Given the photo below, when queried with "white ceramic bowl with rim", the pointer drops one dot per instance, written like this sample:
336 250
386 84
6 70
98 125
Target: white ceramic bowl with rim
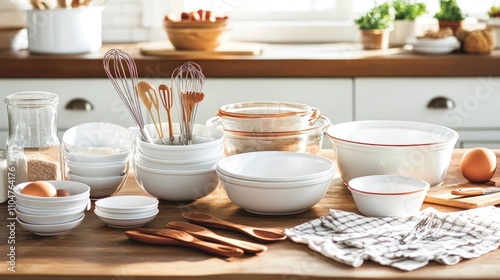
127 216
309 140
176 185
52 229
122 222
79 196
383 147
179 164
51 211
276 198
41 219
206 141
96 170
275 166
388 195
100 186
97 142
126 204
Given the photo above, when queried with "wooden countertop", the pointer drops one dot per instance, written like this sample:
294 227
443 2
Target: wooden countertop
94 250
314 60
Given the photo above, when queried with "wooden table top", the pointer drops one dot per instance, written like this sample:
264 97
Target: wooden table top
94 250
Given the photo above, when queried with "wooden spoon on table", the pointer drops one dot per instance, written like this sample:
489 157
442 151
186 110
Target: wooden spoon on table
206 234
191 241
261 234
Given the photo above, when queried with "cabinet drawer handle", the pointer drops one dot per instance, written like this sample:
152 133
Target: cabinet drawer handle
441 103
79 104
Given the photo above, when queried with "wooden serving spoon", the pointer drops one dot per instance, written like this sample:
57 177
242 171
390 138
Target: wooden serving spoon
261 234
148 95
188 240
206 234
167 99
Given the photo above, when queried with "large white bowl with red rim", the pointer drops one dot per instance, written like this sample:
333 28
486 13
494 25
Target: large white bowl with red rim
384 147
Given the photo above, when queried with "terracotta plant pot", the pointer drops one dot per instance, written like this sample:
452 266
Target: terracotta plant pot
453 24
375 39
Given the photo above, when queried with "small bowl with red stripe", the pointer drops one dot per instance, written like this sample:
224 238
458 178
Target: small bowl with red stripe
388 195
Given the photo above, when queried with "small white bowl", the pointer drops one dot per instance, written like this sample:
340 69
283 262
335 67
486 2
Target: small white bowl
388 195
53 229
276 166
79 196
127 216
125 222
86 142
100 187
206 141
179 164
127 204
51 211
176 185
41 219
276 198
93 170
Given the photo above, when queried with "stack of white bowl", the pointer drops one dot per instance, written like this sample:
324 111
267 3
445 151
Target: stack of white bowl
275 182
52 215
436 46
177 172
97 154
129 211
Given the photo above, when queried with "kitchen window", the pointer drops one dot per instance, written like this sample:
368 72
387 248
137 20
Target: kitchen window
303 21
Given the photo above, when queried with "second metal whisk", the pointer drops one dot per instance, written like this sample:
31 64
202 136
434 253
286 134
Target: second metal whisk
187 83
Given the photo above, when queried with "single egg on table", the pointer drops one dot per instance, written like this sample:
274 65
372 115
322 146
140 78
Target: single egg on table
478 165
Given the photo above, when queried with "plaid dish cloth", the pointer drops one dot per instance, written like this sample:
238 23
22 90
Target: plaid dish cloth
350 238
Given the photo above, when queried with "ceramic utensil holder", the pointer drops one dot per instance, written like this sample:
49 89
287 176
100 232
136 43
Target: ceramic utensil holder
65 31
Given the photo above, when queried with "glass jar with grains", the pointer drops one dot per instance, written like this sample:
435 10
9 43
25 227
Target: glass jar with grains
33 147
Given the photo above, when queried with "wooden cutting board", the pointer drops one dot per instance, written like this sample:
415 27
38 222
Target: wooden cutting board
165 48
442 195
454 179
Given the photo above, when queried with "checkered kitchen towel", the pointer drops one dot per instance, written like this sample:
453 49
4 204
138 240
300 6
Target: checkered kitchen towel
463 235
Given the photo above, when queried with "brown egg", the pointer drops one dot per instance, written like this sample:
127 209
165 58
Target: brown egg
40 188
478 165
62 192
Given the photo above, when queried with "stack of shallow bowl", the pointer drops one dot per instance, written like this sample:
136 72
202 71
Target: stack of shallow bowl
177 172
275 183
48 216
270 126
126 211
97 154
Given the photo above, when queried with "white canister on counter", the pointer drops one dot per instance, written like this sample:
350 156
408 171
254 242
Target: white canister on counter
65 31
4 186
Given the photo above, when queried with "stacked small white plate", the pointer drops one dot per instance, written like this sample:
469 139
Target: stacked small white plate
97 154
48 216
435 46
126 211
275 182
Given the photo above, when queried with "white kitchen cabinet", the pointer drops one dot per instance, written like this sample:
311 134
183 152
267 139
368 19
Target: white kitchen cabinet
469 105
333 97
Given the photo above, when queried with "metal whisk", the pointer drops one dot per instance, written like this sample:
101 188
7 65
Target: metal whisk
119 65
187 82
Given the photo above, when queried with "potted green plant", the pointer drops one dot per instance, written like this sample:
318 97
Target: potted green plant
494 22
406 12
375 26
449 14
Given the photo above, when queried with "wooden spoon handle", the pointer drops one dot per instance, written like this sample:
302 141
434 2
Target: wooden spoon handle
206 234
209 247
